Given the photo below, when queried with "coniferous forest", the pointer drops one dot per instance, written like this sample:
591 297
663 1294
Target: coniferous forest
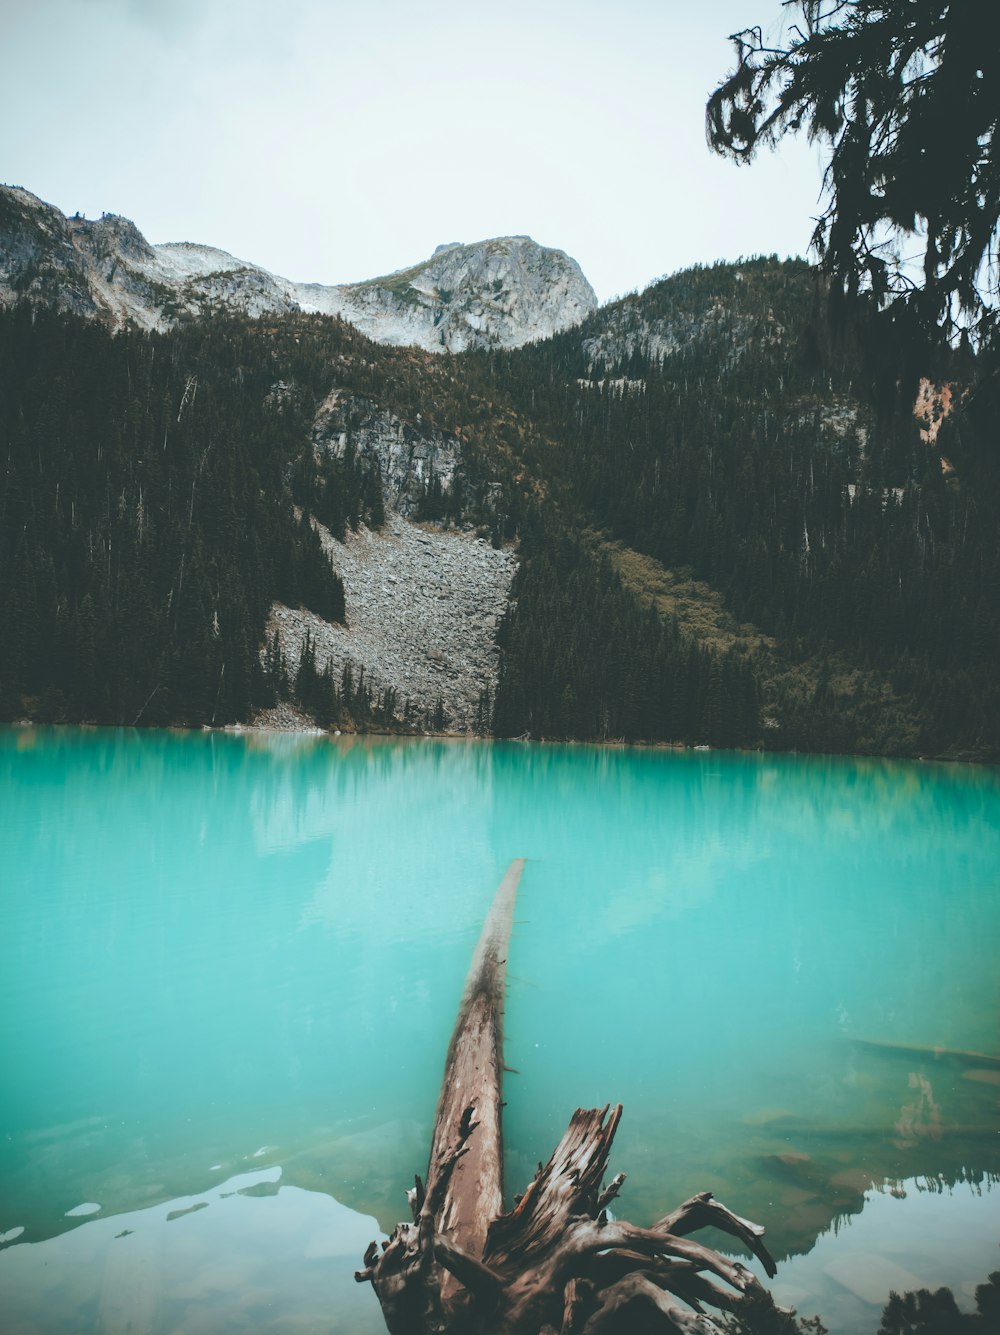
146 524
778 461
730 529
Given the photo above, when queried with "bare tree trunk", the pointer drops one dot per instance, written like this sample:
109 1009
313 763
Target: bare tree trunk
556 1264
473 1078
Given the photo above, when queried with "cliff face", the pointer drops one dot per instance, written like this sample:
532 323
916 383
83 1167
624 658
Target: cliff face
39 257
497 293
407 457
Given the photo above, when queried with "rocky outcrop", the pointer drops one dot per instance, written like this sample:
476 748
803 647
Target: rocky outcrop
628 331
39 259
422 610
497 293
246 290
408 457
662 320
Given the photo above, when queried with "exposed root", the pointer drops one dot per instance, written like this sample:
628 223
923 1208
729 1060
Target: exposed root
555 1264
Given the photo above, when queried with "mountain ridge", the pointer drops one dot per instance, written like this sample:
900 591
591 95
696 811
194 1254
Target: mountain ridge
499 292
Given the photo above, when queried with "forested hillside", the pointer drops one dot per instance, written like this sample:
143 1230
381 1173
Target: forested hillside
146 518
729 531
158 497
716 425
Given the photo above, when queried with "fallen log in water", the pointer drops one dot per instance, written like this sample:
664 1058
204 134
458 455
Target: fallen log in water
557 1264
935 1050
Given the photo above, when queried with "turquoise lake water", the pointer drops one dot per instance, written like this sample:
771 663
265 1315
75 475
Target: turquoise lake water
230 965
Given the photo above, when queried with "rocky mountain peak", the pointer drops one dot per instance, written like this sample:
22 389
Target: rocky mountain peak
501 292
112 234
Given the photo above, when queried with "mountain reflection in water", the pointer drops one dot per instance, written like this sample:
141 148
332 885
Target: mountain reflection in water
242 954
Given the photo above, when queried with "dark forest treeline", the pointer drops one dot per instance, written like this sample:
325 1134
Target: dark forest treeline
146 521
583 658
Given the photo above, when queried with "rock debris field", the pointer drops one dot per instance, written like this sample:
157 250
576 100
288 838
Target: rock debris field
423 605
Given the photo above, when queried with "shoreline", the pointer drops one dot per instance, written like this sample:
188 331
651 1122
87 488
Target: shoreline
286 720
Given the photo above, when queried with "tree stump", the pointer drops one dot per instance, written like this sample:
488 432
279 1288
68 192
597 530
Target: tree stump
557 1263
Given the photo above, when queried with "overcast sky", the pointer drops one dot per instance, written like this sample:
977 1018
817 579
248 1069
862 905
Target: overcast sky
331 141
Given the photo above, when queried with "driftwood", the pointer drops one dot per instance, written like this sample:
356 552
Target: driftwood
557 1264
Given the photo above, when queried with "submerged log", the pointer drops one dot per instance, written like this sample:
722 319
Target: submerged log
557 1264
936 1050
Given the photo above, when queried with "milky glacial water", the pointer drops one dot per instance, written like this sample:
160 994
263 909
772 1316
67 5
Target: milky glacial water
229 966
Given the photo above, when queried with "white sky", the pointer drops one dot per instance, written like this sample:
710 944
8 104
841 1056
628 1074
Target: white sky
332 141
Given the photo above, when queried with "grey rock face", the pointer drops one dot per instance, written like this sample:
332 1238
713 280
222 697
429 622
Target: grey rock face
98 269
39 259
247 290
626 329
627 332
498 293
407 458
111 240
